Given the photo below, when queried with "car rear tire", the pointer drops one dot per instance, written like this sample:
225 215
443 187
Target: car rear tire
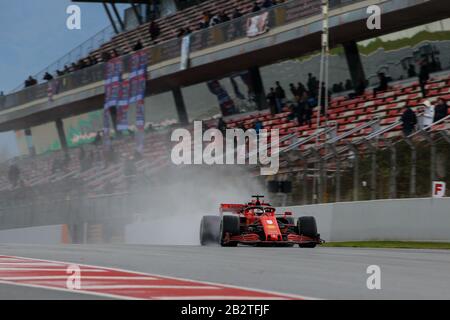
209 230
230 225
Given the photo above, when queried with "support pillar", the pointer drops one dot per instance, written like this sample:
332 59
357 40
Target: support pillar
338 172
61 134
29 141
354 63
373 171
393 173
355 172
108 13
257 87
413 173
432 144
180 106
117 14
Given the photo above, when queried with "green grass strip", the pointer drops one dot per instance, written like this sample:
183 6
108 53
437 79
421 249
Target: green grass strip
390 244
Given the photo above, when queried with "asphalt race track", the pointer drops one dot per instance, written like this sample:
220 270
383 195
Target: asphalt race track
324 273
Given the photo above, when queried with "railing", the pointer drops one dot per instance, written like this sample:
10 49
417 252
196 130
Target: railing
74 55
235 29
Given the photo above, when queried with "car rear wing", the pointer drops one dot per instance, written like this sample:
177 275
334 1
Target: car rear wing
234 208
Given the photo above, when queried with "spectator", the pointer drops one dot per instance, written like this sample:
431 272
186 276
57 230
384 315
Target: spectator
223 17
98 138
424 76
348 85
91 61
409 120
312 85
114 53
412 71
335 88
271 98
361 87
309 104
181 33
300 89
440 110
267 4
256 7
138 46
293 90
236 13
428 114
30 82
258 126
47 77
280 96
154 30
106 56
382 85
205 20
214 20
300 108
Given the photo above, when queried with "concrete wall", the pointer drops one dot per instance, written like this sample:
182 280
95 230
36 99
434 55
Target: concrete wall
54 234
403 219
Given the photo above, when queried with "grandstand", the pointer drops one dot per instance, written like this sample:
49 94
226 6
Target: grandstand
353 124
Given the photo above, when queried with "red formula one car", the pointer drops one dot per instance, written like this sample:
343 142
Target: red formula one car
256 223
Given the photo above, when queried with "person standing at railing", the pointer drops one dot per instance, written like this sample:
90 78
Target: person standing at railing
256 7
271 98
47 77
267 4
409 120
154 30
280 97
440 110
428 114
236 13
30 82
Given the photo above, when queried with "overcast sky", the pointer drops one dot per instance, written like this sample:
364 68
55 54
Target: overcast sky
33 34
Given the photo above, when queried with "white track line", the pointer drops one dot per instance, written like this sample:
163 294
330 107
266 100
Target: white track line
120 286
27 264
47 269
286 295
81 278
91 293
